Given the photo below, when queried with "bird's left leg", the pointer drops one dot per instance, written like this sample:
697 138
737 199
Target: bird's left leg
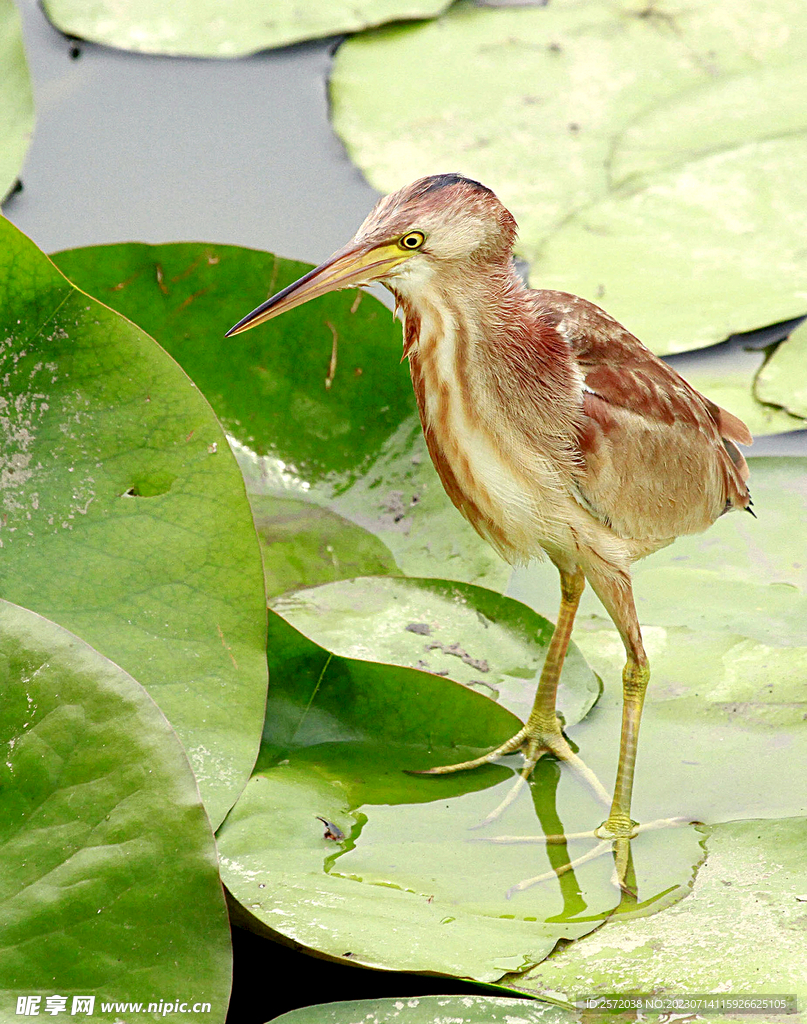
616 594
541 734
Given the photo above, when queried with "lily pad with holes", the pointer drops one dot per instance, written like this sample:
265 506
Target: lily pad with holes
487 642
354 448
432 1010
782 381
16 98
208 30
411 882
106 855
124 516
653 155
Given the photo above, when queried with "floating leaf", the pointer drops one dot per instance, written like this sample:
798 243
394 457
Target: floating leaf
741 930
124 515
489 643
355 448
414 885
106 856
205 29
304 545
783 379
647 152
16 98
431 1010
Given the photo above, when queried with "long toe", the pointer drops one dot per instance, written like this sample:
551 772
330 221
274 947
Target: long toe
511 746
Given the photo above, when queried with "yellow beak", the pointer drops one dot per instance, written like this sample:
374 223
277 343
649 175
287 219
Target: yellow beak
350 267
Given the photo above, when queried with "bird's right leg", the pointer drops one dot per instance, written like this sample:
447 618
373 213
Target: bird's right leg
541 733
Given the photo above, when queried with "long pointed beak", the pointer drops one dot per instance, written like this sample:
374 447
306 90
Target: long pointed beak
350 267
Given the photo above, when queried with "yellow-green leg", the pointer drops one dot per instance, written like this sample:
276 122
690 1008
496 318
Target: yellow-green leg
541 733
635 677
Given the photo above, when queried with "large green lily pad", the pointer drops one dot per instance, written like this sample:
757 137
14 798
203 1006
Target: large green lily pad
16 98
107 860
783 379
431 1010
740 931
410 882
476 637
354 449
654 155
207 29
124 514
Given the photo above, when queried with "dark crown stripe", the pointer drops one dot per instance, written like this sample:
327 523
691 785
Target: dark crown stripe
438 181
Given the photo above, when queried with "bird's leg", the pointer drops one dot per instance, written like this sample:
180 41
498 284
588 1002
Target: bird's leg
617 596
541 733
617 831
634 685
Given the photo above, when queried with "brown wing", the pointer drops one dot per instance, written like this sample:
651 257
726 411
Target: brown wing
659 458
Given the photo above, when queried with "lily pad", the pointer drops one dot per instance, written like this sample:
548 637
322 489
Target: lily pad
646 151
106 855
304 545
124 514
16 98
399 876
354 448
741 930
782 380
207 30
476 637
431 1010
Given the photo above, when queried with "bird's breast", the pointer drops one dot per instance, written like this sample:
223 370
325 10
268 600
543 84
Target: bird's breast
508 495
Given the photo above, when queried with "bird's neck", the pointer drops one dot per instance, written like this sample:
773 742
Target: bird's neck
481 340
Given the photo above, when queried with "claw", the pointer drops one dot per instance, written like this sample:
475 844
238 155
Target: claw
619 844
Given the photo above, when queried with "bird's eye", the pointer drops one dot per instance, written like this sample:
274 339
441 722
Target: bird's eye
412 240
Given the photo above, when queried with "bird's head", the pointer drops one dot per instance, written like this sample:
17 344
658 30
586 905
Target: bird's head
434 224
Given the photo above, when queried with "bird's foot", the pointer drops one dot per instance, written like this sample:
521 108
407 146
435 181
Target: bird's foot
612 836
533 741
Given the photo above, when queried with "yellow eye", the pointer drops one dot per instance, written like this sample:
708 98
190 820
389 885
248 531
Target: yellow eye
412 240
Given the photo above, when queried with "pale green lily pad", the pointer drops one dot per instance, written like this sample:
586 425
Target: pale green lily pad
304 545
783 379
124 516
431 1010
701 252
354 450
16 98
106 855
487 642
206 29
743 929
411 883
647 152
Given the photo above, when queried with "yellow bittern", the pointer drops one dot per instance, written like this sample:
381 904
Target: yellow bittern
553 429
